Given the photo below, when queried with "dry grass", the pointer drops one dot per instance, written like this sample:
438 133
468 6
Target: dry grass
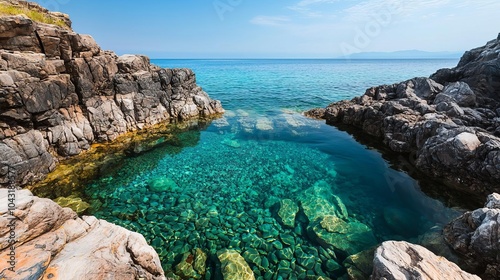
6 9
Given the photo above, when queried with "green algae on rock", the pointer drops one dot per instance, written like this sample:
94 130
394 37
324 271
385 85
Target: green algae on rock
75 203
287 212
234 266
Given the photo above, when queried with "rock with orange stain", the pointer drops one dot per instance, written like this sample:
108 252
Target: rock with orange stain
54 243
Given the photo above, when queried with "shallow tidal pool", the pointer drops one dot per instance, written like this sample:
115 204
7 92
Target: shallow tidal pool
262 186
294 197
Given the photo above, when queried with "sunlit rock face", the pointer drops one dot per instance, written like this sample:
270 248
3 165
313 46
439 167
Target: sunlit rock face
53 242
61 92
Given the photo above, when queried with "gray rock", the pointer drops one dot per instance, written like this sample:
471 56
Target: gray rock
460 93
401 260
421 116
75 94
476 236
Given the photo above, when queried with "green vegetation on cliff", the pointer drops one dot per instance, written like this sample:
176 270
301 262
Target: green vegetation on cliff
8 9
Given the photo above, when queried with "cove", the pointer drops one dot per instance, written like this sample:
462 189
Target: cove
294 196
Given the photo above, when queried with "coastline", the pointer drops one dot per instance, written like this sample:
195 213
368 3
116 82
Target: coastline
103 97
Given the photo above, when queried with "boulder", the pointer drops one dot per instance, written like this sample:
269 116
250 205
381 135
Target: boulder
234 266
476 236
401 260
52 242
287 212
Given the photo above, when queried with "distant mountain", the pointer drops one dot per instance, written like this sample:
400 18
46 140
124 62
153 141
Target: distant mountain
408 54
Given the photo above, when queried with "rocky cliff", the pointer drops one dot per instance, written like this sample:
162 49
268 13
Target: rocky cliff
450 121
60 92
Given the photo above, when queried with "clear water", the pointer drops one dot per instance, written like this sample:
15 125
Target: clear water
224 187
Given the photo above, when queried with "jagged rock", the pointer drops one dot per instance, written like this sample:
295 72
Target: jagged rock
448 121
476 235
64 86
24 158
52 242
401 260
234 266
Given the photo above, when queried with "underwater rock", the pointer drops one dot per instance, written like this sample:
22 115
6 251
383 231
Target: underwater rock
318 202
234 266
287 212
264 124
185 268
162 184
360 266
252 256
231 143
73 202
401 260
347 237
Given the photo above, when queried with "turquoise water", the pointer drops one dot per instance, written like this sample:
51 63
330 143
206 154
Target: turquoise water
293 196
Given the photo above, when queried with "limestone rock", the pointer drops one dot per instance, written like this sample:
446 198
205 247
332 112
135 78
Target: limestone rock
402 260
54 242
234 266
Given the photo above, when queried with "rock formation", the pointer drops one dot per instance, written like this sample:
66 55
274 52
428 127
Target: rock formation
476 236
451 121
52 242
401 260
60 92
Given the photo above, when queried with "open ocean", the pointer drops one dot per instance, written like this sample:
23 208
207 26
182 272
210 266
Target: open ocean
238 182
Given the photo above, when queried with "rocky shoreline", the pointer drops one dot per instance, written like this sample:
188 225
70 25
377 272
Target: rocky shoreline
61 92
450 121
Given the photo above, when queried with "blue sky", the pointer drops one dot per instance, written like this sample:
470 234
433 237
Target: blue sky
281 28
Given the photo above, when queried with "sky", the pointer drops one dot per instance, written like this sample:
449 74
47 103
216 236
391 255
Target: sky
281 28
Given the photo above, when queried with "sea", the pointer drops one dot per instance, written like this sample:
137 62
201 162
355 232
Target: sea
294 197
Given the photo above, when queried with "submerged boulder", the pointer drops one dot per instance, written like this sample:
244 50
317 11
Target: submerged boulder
287 212
348 237
234 266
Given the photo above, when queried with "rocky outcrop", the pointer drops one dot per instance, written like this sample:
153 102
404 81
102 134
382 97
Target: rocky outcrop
53 243
401 260
451 121
476 236
60 92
